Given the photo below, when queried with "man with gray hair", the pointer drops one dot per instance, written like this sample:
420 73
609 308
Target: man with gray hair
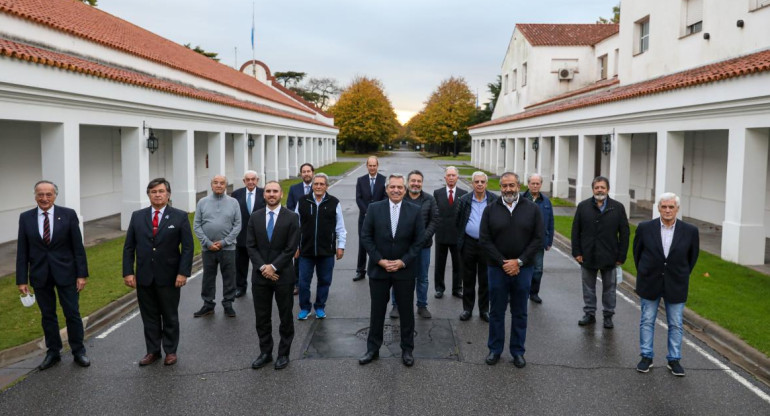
251 199
446 233
217 224
665 252
534 182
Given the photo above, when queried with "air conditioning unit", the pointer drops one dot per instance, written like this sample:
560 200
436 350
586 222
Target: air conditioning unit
566 74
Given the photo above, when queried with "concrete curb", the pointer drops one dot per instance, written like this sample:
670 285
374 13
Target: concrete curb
720 339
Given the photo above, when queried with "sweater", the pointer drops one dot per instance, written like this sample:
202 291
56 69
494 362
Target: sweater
217 218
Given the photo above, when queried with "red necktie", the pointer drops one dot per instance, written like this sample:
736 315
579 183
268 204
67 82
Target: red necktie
451 199
155 224
46 228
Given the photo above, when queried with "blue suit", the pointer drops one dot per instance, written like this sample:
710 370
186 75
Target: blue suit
296 193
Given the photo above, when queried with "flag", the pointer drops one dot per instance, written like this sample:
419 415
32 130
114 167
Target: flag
252 26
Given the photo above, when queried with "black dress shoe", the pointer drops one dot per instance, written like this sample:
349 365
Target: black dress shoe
239 293
519 361
587 319
205 310
82 360
439 295
281 362
608 322
465 315
407 358
369 357
261 361
49 361
485 316
492 358
457 294
535 298
229 311
359 276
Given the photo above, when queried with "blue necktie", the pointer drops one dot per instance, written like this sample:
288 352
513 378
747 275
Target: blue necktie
270 226
371 185
248 201
307 189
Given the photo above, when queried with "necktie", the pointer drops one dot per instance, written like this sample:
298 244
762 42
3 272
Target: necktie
307 189
451 199
270 226
46 228
248 201
371 185
394 220
155 223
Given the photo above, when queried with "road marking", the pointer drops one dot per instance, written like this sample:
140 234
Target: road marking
132 316
737 377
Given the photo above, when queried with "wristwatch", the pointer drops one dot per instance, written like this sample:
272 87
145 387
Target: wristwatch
521 263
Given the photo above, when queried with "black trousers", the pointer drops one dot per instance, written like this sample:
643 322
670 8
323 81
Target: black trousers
241 268
474 270
159 307
379 290
263 313
68 298
441 254
361 263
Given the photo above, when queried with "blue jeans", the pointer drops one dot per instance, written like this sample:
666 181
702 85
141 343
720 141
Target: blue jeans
421 285
502 288
537 275
324 266
647 328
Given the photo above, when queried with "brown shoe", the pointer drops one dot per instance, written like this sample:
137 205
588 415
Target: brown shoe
170 359
149 359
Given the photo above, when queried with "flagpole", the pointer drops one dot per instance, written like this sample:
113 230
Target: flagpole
253 53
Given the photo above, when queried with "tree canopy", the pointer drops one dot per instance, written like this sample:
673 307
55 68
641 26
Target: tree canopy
319 91
289 78
197 48
451 107
615 16
89 2
364 115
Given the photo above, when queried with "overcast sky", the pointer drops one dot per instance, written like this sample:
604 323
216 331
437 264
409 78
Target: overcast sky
410 45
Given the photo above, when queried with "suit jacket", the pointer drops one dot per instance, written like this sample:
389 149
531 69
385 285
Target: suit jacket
161 258
658 275
296 193
364 195
279 251
600 237
258 202
64 258
379 243
446 232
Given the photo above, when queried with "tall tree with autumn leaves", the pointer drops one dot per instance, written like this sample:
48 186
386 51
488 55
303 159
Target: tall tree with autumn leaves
365 116
451 107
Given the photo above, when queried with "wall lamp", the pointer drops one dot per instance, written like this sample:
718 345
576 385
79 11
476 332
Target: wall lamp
251 142
299 142
606 145
152 141
291 142
536 144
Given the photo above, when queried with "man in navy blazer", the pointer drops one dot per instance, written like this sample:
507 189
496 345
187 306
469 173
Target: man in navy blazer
369 188
392 235
159 240
253 195
50 255
665 252
272 239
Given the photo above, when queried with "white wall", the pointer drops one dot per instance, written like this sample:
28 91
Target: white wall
100 172
21 166
642 169
705 163
202 179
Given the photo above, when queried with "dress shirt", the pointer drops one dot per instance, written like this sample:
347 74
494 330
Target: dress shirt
41 218
512 206
604 205
250 194
474 220
454 193
666 236
397 208
339 228
275 215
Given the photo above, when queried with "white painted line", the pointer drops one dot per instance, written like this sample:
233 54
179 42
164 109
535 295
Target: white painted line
345 176
737 377
130 317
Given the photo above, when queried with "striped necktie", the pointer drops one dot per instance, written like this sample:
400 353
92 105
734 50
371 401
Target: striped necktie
46 228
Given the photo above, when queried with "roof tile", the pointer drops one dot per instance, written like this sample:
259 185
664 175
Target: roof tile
550 34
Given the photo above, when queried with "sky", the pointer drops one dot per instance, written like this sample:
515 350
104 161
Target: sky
409 45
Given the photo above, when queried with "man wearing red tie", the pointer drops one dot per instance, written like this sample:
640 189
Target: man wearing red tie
446 233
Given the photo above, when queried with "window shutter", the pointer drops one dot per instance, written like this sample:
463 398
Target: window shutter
695 12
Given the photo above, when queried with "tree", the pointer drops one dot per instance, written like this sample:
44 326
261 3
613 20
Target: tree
451 107
615 16
485 114
322 91
89 2
290 78
212 55
364 115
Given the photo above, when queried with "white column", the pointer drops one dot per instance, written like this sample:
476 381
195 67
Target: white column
183 159
60 157
271 158
311 152
530 163
135 171
668 165
544 164
323 148
240 159
743 231
494 149
283 157
473 151
485 164
258 156
500 161
620 170
585 168
518 157
334 149
510 154
293 153
216 149
561 167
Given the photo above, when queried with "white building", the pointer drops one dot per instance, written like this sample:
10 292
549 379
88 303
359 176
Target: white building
689 112
82 91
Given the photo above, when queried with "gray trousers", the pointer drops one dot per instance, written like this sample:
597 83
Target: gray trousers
609 286
225 259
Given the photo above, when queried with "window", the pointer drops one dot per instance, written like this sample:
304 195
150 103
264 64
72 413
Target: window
643 35
505 84
693 17
757 4
524 74
602 64
513 84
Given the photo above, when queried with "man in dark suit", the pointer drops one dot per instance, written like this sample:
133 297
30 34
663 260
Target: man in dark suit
251 200
50 255
665 252
446 233
297 192
369 188
272 240
392 235
160 242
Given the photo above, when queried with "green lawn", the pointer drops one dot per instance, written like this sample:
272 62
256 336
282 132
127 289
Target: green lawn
338 168
558 202
461 157
105 284
729 294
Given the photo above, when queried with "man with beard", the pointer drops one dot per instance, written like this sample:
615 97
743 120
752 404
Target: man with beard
599 243
511 232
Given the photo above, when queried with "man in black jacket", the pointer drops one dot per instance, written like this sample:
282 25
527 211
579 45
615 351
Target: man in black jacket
511 232
251 199
446 233
599 243
665 252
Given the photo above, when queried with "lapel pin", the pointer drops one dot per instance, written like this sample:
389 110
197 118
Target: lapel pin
166 216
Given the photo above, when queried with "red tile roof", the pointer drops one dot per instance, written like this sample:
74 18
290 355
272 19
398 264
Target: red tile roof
707 74
71 63
81 20
605 83
549 34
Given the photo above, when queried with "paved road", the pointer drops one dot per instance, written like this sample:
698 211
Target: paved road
570 370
